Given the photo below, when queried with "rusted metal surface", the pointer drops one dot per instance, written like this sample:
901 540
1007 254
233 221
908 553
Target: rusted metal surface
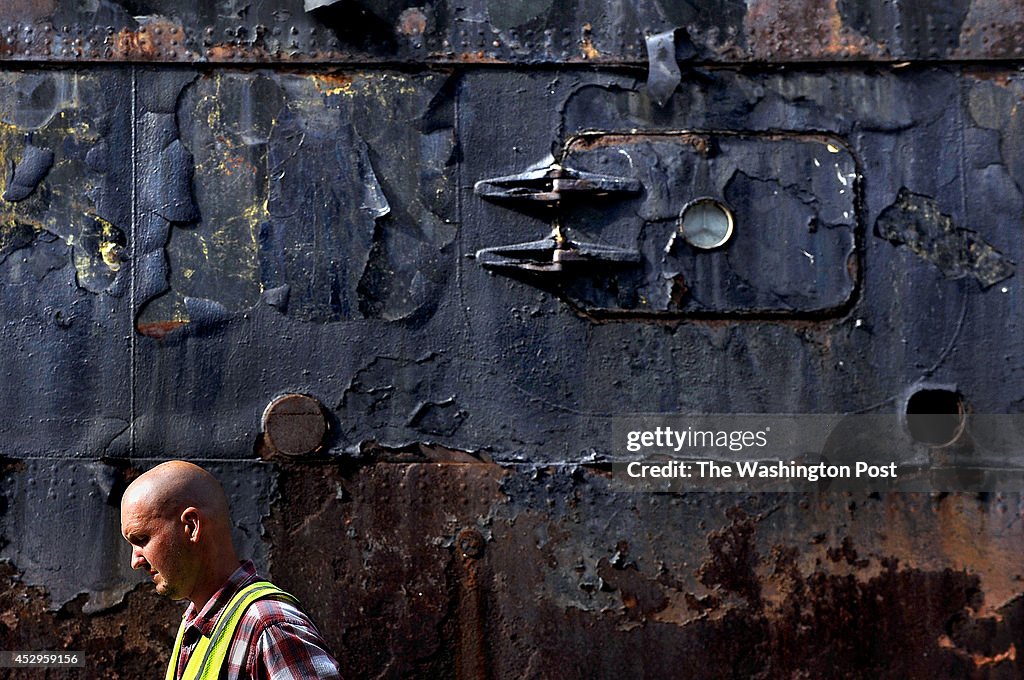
205 207
130 641
575 580
434 569
529 32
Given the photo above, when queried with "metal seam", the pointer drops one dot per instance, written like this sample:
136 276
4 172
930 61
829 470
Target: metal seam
134 264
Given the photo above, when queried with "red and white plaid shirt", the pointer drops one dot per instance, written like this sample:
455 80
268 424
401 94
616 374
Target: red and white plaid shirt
274 640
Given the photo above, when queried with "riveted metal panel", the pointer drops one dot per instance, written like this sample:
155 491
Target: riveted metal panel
488 32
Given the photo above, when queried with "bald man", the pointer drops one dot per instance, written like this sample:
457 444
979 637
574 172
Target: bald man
176 519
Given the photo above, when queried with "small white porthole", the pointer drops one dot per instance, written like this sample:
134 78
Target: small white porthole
705 223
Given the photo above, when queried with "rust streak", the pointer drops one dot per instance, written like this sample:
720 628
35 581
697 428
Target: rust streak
982 661
147 43
478 57
333 83
979 660
159 329
590 142
412 22
802 30
470 657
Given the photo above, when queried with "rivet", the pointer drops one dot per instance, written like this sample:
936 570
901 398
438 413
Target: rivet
470 543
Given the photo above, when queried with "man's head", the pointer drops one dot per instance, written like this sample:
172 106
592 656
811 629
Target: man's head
176 519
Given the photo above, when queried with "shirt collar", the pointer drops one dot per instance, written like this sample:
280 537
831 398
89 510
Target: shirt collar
205 619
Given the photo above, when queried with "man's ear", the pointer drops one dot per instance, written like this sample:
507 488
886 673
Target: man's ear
191 520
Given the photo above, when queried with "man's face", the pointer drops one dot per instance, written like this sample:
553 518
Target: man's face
159 546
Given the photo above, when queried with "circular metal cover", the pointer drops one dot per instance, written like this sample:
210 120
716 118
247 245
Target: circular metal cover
294 424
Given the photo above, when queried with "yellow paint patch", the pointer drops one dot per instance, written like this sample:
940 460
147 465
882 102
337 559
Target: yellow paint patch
333 84
110 249
111 253
587 44
255 215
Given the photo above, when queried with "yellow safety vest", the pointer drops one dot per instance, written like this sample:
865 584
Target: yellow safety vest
207 659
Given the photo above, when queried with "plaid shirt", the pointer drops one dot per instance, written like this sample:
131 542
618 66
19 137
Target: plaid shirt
273 641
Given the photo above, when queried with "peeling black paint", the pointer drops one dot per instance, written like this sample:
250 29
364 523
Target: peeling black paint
55 192
164 183
338 243
320 259
442 418
15 235
24 177
917 222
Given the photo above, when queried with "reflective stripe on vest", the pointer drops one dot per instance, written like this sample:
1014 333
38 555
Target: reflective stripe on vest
207 659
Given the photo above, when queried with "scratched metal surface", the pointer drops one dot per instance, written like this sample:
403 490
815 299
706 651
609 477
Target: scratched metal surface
180 243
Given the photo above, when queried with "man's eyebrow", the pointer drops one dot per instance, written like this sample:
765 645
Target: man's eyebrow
133 533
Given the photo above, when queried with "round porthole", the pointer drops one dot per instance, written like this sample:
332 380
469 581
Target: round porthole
706 223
